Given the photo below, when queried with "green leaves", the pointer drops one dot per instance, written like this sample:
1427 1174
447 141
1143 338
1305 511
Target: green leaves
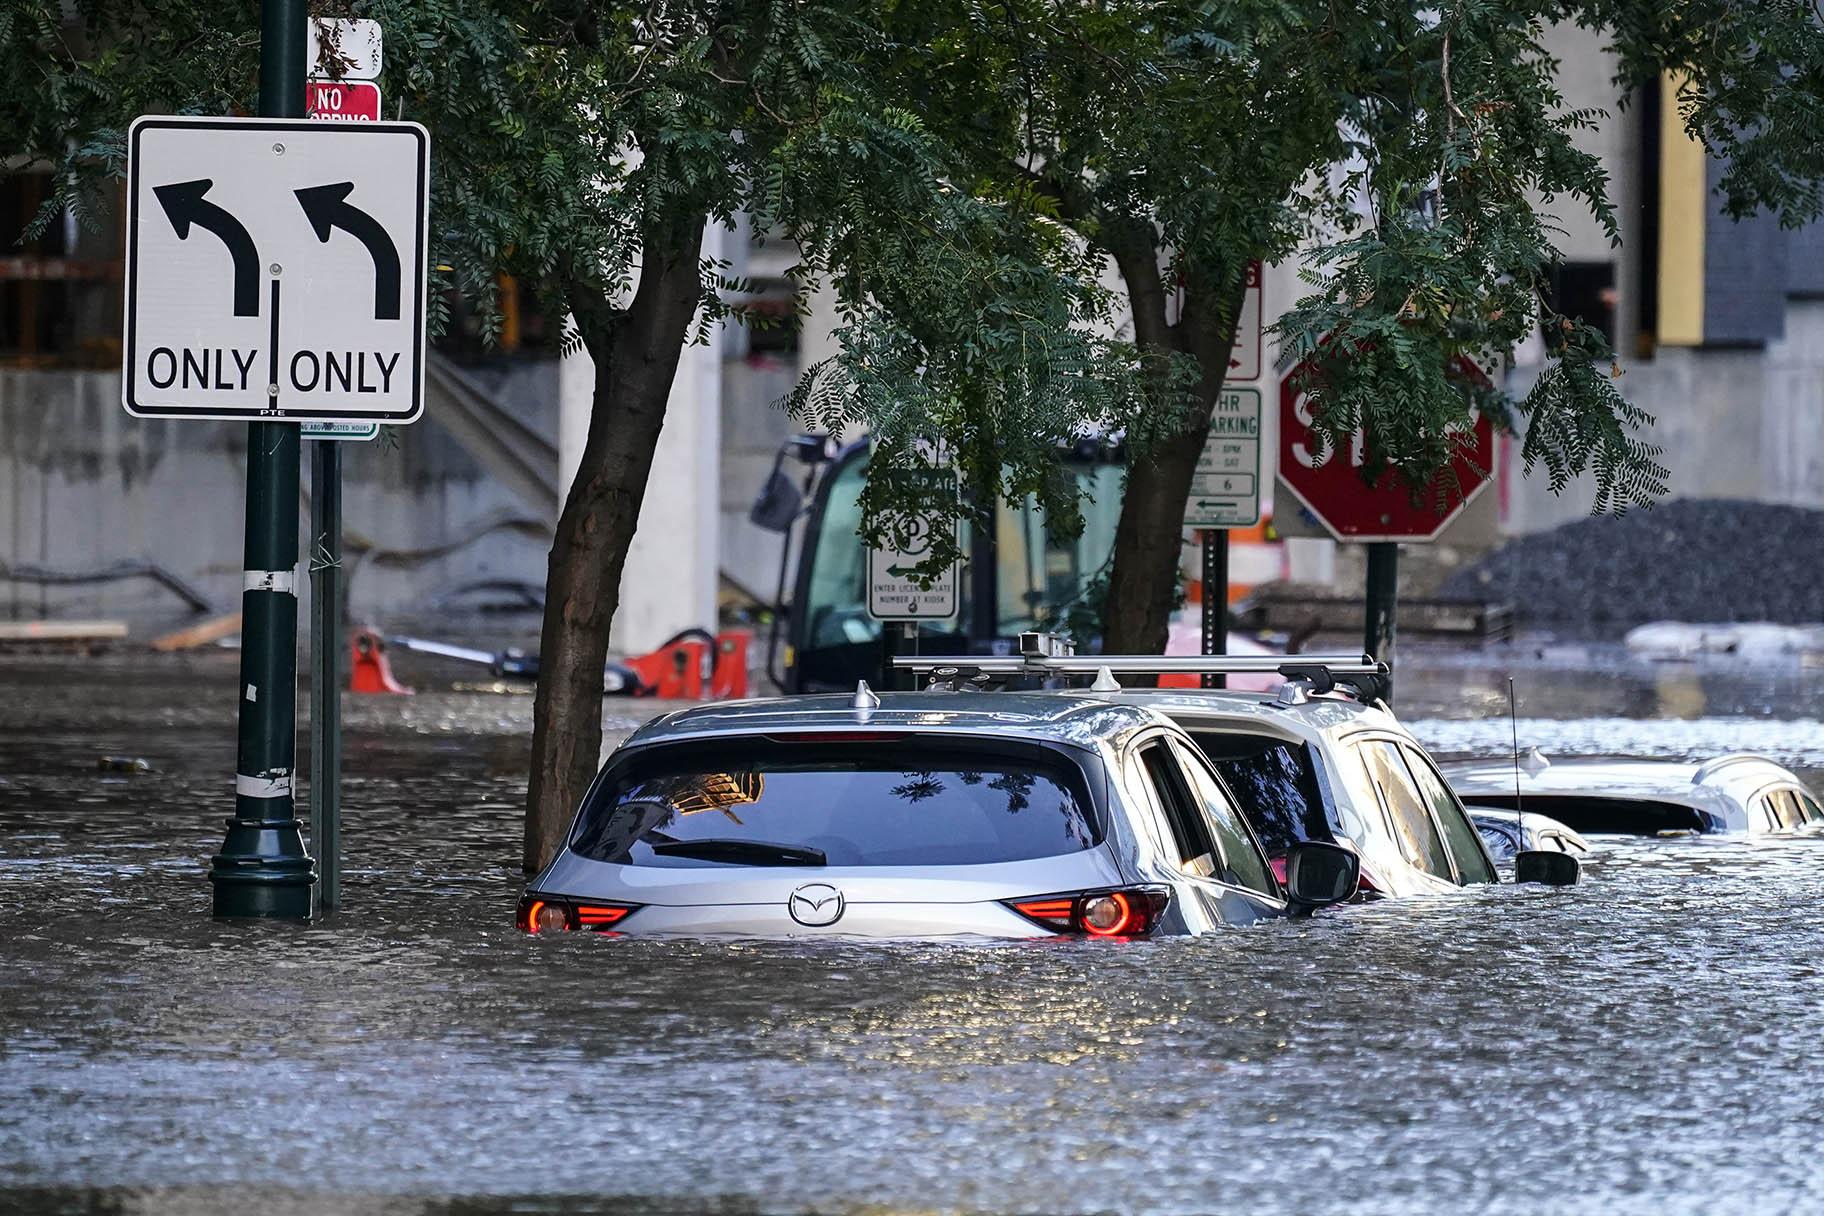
964 350
1438 249
961 177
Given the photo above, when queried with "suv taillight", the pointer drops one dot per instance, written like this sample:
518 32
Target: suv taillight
1118 912
554 914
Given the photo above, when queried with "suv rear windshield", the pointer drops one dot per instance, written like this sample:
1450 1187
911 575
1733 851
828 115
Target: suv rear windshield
777 801
1275 783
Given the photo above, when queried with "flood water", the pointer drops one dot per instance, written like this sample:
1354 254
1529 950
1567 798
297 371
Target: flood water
1649 1041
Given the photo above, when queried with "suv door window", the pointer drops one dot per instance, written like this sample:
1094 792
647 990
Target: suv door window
1241 863
1411 820
1195 850
1274 781
1460 835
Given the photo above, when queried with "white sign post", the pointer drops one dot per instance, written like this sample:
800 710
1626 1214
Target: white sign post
276 270
1225 490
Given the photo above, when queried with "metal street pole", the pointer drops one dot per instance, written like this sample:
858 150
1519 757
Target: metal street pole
262 869
1215 543
1383 592
326 669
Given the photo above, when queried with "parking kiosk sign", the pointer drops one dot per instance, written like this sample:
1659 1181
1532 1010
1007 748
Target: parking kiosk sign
276 269
894 592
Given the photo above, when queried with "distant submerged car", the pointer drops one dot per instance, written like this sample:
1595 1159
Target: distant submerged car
1506 833
1737 793
1000 814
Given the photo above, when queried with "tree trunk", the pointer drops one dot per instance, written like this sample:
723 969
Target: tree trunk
1143 581
636 356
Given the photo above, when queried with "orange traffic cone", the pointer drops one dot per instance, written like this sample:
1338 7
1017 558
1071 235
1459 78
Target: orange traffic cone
368 670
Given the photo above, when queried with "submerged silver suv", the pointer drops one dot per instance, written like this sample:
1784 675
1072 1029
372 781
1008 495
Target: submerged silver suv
917 814
1309 763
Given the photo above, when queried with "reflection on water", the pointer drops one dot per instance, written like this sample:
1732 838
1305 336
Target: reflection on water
1646 1042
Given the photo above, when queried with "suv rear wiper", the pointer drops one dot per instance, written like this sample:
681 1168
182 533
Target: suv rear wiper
745 852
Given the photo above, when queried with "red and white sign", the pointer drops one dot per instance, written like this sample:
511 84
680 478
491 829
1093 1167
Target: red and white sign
342 100
1329 481
1244 360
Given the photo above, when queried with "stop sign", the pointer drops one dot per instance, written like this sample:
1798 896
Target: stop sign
1329 481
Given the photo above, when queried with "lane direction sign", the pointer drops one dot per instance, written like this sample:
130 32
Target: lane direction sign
276 269
1225 490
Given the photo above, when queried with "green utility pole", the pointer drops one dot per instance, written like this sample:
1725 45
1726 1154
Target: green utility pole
326 669
262 869
1382 599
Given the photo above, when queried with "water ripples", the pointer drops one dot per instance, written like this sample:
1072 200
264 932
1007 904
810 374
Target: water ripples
1645 1042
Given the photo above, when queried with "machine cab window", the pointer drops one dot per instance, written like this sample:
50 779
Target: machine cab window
1016 576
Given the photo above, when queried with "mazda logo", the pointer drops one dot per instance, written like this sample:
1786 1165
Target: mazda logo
816 903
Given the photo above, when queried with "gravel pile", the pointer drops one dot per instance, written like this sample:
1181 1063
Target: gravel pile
1698 560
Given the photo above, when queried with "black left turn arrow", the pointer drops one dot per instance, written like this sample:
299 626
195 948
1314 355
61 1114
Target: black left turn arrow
185 205
326 208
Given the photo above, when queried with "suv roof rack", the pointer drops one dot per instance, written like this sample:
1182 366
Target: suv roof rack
1046 655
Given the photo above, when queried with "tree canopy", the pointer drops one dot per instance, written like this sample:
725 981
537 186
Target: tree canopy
924 156
961 176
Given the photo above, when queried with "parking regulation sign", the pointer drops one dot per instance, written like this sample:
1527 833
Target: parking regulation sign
1225 490
342 100
276 269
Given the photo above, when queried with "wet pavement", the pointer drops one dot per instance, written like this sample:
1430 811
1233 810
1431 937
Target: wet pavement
1646 1042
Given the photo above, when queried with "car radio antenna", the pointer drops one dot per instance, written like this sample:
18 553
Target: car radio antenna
1513 726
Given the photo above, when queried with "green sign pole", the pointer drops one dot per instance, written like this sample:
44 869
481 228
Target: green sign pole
326 669
262 869
1382 600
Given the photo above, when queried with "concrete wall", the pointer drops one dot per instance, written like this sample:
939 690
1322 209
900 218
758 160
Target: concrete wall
1734 422
83 485
752 430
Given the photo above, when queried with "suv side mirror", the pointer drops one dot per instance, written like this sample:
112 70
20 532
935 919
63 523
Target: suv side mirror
1319 874
1551 868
